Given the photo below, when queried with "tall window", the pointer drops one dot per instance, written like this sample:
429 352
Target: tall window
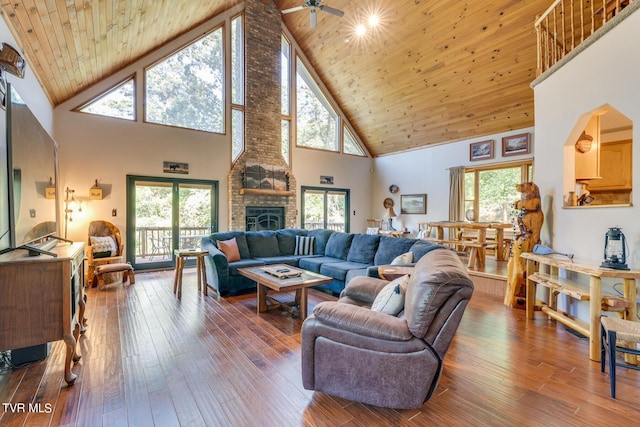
118 102
316 120
285 97
237 88
490 192
187 88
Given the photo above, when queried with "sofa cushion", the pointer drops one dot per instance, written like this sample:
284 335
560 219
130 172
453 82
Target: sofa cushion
304 245
241 240
314 263
338 245
322 237
421 247
243 263
287 239
103 246
339 270
405 258
363 248
282 259
391 247
390 299
230 249
262 244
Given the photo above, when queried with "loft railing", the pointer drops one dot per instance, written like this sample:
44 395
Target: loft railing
567 23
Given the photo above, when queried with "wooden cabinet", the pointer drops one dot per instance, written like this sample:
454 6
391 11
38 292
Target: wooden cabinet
615 167
43 300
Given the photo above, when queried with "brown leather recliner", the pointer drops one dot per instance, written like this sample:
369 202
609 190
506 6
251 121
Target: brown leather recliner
353 352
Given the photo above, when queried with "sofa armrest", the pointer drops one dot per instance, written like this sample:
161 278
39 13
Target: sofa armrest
216 266
363 289
362 321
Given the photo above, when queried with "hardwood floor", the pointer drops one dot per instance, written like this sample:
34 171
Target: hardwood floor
151 359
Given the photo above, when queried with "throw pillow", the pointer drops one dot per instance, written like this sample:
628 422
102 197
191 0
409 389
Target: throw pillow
390 300
230 249
103 247
304 245
405 258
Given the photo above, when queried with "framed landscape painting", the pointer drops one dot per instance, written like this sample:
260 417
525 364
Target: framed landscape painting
413 204
481 150
515 145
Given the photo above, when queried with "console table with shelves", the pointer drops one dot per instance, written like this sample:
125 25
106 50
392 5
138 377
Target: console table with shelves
42 300
545 270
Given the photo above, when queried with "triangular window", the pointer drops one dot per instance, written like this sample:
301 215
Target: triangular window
119 102
350 146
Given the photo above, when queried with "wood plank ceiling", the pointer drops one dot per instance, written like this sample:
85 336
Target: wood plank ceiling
432 72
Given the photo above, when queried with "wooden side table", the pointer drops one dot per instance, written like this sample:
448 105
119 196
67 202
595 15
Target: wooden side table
182 255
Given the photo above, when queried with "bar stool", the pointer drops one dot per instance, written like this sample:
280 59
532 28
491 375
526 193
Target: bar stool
613 330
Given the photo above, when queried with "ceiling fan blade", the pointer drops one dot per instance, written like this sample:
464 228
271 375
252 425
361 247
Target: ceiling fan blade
313 17
331 10
293 9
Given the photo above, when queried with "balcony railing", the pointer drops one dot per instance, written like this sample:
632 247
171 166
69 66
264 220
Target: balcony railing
155 243
567 23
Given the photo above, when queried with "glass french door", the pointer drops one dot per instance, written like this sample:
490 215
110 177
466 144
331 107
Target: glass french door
166 214
325 208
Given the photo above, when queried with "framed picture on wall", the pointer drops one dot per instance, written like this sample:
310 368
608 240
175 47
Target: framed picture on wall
413 204
515 145
482 150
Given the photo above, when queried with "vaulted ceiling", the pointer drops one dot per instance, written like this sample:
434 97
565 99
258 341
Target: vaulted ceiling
432 71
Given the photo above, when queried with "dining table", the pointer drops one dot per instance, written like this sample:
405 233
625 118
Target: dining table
478 237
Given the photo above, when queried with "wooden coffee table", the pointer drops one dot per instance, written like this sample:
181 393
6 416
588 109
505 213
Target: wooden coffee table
300 284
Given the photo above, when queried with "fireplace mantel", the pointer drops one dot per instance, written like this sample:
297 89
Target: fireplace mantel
267 192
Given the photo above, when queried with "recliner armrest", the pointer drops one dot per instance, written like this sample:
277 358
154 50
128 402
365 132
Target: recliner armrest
362 321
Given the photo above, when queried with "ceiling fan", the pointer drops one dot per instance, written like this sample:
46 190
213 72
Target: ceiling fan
312 5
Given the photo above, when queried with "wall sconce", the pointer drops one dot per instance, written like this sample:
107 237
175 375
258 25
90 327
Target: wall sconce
583 144
11 60
95 192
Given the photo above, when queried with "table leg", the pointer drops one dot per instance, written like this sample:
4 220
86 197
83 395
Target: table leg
531 290
179 273
262 298
70 342
203 275
198 274
176 275
595 295
301 297
500 256
629 293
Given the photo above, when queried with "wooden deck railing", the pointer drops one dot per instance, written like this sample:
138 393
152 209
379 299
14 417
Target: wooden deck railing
567 23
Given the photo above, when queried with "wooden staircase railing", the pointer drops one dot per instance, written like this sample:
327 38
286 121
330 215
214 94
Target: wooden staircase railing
567 23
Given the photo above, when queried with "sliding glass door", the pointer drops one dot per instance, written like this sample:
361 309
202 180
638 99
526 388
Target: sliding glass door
165 214
324 208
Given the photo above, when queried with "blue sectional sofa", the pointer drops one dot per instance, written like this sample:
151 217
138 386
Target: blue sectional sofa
337 255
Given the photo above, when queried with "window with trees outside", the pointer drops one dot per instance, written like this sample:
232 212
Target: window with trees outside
323 208
490 191
118 102
285 97
186 89
316 120
237 88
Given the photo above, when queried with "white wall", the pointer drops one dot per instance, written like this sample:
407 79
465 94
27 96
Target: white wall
427 171
604 73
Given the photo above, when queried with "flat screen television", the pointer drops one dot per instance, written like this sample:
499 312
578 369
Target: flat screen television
33 177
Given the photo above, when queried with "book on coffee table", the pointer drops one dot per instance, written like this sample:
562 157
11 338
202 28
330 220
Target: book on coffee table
282 272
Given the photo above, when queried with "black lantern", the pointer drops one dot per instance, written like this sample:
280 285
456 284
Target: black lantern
615 250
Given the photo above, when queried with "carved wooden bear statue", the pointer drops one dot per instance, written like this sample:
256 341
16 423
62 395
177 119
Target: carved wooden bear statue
530 221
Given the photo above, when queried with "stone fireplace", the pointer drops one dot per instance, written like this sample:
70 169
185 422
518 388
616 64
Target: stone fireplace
262 119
